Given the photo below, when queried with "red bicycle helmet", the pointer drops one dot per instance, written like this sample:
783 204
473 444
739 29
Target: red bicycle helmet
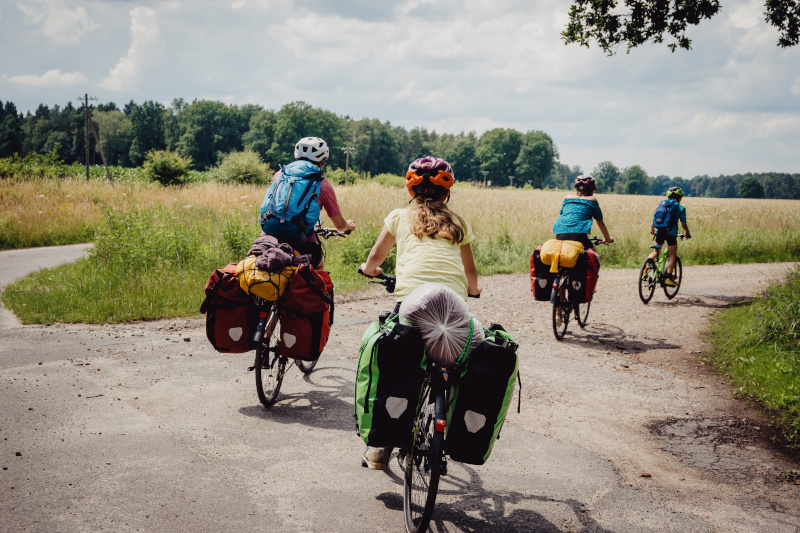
585 184
429 177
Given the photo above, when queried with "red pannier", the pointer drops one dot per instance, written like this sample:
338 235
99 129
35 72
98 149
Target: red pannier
541 277
230 313
583 277
306 314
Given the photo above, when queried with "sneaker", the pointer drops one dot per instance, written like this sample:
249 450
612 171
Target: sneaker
669 281
375 458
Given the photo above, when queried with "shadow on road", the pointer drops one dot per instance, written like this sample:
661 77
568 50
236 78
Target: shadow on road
709 301
323 407
600 336
491 508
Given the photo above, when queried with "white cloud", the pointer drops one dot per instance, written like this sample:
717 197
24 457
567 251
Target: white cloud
796 86
56 21
706 123
145 35
51 78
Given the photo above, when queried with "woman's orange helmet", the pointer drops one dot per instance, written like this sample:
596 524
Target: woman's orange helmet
429 177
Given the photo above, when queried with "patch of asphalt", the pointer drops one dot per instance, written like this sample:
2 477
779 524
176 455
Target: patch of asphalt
15 264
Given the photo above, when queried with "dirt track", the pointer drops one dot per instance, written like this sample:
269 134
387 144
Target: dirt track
144 427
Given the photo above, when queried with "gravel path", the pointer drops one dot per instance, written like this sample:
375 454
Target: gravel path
143 427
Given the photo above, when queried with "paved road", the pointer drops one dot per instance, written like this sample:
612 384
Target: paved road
19 263
144 427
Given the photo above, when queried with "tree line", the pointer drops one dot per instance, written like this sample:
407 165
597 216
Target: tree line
205 131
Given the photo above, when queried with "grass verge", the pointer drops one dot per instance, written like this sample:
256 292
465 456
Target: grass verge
757 345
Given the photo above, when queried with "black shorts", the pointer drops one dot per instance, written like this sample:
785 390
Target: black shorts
312 248
580 237
662 235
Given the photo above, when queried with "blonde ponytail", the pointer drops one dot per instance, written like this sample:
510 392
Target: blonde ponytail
432 218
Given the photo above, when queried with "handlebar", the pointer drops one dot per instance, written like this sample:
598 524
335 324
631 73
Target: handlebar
597 240
327 233
384 279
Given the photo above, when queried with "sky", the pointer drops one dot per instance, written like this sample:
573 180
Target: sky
730 105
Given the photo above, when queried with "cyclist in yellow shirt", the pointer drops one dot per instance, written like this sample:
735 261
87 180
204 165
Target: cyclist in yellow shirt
433 245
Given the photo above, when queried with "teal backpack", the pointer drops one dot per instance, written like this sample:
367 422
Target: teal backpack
290 210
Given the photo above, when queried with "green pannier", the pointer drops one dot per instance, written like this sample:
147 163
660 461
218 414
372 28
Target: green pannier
389 380
479 401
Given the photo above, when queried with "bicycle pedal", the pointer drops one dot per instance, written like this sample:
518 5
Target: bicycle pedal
251 368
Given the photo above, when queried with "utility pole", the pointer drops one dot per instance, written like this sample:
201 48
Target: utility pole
347 150
85 100
485 173
511 181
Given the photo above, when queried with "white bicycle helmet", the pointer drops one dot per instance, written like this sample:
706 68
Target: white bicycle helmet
312 148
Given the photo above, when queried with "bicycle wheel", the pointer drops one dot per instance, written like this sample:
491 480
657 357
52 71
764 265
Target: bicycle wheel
671 291
582 313
423 464
305 366
561 310
647 280
271 366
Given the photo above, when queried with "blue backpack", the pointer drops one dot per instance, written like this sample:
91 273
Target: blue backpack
290 210
666 215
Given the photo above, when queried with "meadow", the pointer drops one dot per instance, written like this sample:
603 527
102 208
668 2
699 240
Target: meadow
141 230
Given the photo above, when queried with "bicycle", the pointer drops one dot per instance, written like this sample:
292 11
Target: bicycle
562 306
424 461
653 272
269 365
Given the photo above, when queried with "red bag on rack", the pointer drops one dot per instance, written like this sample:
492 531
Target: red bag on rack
306 314
230 314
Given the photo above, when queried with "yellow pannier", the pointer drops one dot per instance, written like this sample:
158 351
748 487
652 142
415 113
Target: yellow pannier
560 254
267 285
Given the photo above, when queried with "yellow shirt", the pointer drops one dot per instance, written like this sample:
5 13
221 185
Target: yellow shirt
420 261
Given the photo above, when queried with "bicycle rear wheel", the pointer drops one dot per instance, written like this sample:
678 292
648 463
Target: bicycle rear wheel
671 291
270 366
423 463
561 309
647 280
582 313
305 366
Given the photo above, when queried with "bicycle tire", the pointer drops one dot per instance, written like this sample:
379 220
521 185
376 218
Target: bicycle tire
582 313
647 280
671 292
305 366
423 463
561 309
270 366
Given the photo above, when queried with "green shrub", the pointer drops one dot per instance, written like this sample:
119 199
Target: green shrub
166 167
390 180
243 167
336 176
34 166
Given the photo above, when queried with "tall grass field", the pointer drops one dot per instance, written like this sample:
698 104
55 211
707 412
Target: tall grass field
155 246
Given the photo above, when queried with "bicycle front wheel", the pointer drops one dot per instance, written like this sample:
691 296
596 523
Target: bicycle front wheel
270 366
647 280
305 366
561 310
671 290
423 463
582 313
